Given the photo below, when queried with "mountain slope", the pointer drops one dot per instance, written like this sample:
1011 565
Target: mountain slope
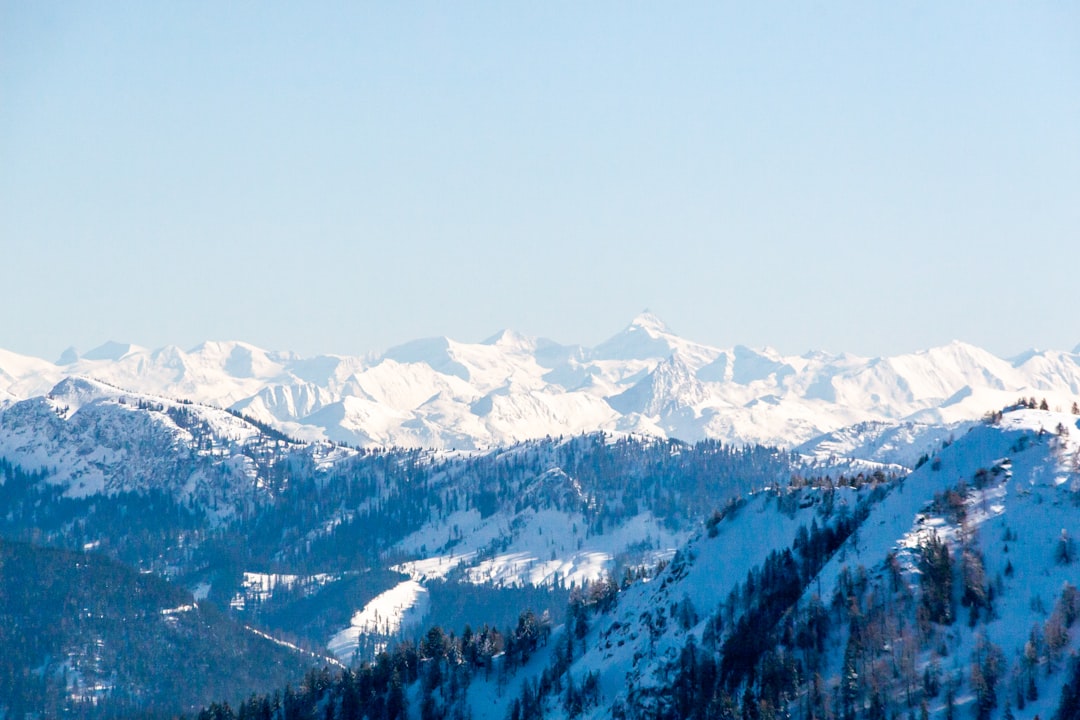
93 438
102 637
949 593
1001 500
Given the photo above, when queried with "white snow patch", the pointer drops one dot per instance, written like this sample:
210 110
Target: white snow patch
386 615
177 610
260 586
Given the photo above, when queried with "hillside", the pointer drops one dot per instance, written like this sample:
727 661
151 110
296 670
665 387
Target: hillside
91 438
441 393
956 590
948 593
81 633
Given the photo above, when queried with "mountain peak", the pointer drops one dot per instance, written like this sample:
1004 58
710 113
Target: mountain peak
650 323
646 337
511 339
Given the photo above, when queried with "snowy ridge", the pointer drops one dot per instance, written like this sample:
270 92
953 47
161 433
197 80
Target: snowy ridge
897 444
94 438
443 393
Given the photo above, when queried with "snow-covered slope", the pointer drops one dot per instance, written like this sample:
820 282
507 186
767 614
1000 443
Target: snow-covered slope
91 438
890 443
1004 501
863 631
442 393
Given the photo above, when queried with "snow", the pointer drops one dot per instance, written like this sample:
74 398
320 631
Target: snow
260 586
1026 498
177 610
884 412
892 443
201 591
401 606
432 568
537 547
111 350
93 438
444 393
620 647
294 648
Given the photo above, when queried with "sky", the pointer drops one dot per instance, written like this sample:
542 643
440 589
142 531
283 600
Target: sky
342 177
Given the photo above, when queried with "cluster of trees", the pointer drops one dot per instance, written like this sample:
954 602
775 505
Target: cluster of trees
442 665
555 682
994 417
438 671
157 532
1045 647
1069 707
936 580
83 635
762 655
738 646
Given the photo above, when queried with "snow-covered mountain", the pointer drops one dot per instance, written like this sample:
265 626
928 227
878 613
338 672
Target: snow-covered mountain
951 592
867 629
442 393
91 438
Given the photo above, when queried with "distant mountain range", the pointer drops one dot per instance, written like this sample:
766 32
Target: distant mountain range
442 393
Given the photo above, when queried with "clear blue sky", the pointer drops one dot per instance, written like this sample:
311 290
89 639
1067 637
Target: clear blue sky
342 177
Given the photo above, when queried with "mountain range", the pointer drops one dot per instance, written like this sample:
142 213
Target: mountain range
440 393
903 551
